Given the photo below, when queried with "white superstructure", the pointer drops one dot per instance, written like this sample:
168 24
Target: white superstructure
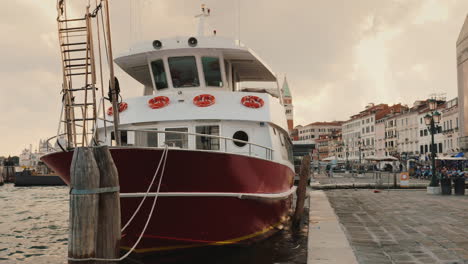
182 69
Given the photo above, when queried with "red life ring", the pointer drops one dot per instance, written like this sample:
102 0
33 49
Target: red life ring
158 102
252 101
204 100
122 107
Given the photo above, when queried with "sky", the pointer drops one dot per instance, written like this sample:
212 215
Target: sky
338 55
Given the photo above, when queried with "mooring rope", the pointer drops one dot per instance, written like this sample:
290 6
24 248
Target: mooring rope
147 190
163 160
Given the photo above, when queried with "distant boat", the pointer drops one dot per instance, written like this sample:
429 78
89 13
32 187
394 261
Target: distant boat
31 178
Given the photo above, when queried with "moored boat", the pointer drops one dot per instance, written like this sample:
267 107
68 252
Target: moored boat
228 172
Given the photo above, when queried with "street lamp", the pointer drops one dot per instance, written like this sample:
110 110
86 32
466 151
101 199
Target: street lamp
359 145
432 120
347 154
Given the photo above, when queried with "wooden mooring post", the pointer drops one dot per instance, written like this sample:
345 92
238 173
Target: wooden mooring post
8 174
108 237
301 192
94 206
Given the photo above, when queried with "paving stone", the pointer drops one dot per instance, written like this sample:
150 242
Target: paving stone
403 226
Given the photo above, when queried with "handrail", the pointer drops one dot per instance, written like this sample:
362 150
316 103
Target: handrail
268 151
56 136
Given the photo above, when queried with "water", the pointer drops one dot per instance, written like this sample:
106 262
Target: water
33 224
34 229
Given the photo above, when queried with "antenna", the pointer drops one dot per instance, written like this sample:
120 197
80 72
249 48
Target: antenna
201 23
239 20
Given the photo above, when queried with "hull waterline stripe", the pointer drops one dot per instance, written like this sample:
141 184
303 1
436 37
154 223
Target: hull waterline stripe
217 243
260 196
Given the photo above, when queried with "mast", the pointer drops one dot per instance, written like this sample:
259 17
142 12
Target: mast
201 23
115 104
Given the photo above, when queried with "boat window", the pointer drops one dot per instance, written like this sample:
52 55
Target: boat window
146 139
240 135
207 143
123 139
212 71
177 139
184 71
159 74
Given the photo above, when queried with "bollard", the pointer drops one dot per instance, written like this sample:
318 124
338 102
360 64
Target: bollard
108 237
84 175
301 192
1 177
8 174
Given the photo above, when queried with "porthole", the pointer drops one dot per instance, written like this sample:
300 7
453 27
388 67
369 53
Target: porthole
240 135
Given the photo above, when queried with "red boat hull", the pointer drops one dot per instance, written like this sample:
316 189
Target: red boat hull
182 222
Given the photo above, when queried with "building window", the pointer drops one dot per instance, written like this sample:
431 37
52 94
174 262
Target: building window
207 143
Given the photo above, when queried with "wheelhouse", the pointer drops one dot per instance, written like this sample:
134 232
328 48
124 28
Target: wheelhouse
211 63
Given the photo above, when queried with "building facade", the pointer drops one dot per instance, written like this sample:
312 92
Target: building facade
450 127
462 76
311 132
359 133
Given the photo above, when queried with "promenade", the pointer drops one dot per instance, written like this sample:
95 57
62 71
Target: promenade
391 226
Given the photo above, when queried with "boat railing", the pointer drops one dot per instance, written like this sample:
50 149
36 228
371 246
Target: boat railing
252 147
57 137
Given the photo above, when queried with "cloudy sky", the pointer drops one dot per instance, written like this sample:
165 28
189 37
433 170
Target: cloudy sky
338 55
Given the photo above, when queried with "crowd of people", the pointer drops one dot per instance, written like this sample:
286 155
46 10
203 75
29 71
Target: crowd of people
425 172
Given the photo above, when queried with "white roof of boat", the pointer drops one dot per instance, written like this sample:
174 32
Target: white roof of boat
249 66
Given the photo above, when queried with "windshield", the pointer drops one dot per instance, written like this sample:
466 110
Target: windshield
184 71
212 71
159 74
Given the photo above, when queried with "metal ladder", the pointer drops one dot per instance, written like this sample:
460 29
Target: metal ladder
79 78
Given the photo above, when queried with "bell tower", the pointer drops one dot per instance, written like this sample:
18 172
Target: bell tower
462 74
287 102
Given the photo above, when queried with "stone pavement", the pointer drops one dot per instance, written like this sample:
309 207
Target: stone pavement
403 226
